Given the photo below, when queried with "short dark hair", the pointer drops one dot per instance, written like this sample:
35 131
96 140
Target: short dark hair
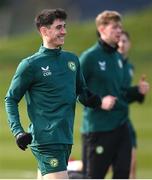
47 17
126 34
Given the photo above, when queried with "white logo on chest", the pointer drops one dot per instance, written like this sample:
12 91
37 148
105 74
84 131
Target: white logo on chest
102 65
46 71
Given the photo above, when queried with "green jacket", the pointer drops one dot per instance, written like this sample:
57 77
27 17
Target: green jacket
51 81
103 70
129 72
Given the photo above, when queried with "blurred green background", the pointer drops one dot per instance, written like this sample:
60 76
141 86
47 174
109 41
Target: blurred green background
15 163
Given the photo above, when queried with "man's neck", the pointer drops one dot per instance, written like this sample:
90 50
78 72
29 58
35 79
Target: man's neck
107 47
50 46
108 42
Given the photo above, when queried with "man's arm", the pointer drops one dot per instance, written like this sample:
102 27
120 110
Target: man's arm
88 98
19 85
137 93
132 94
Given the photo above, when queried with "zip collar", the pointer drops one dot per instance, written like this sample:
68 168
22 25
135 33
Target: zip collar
107 47
53 52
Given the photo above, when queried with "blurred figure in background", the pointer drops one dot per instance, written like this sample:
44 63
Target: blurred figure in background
105 134
77 168
124 45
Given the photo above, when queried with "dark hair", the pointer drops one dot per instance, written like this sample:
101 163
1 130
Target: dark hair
126 34
47 17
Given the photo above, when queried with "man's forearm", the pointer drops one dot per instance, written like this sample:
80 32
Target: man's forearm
132 94
87 98
13 115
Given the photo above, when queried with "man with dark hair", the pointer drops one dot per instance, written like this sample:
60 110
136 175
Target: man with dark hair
47 16
124 45
105 133
51 80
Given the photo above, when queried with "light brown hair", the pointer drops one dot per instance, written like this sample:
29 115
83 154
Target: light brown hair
106 17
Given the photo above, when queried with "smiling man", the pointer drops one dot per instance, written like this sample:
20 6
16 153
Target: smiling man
51 81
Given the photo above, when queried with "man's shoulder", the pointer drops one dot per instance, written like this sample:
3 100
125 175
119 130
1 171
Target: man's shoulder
33 57
90 52
70 55
131 66
92 49
26 63
120 55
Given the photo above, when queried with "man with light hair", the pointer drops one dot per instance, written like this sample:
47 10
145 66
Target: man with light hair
105 133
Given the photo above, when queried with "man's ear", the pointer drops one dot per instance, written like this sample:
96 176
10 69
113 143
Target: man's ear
100 29
43 31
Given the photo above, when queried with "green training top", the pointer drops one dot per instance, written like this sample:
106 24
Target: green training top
129 72
51 81
103 70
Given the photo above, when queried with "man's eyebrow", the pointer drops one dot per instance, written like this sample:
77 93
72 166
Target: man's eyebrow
58 25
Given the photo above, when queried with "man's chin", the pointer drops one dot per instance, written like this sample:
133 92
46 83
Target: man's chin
60 44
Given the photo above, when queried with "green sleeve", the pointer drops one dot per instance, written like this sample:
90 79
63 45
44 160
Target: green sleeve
21 82
132 94
85 96
85 63
80 82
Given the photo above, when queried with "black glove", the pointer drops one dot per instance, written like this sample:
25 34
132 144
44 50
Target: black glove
23 139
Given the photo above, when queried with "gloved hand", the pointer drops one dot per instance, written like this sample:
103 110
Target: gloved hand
23 139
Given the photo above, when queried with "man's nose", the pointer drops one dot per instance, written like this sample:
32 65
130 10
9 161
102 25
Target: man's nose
63 31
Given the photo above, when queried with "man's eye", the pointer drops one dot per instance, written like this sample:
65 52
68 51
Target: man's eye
60 27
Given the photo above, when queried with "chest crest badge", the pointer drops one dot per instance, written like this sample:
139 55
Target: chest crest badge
72 65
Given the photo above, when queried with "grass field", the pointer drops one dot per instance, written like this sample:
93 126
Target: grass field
18 164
